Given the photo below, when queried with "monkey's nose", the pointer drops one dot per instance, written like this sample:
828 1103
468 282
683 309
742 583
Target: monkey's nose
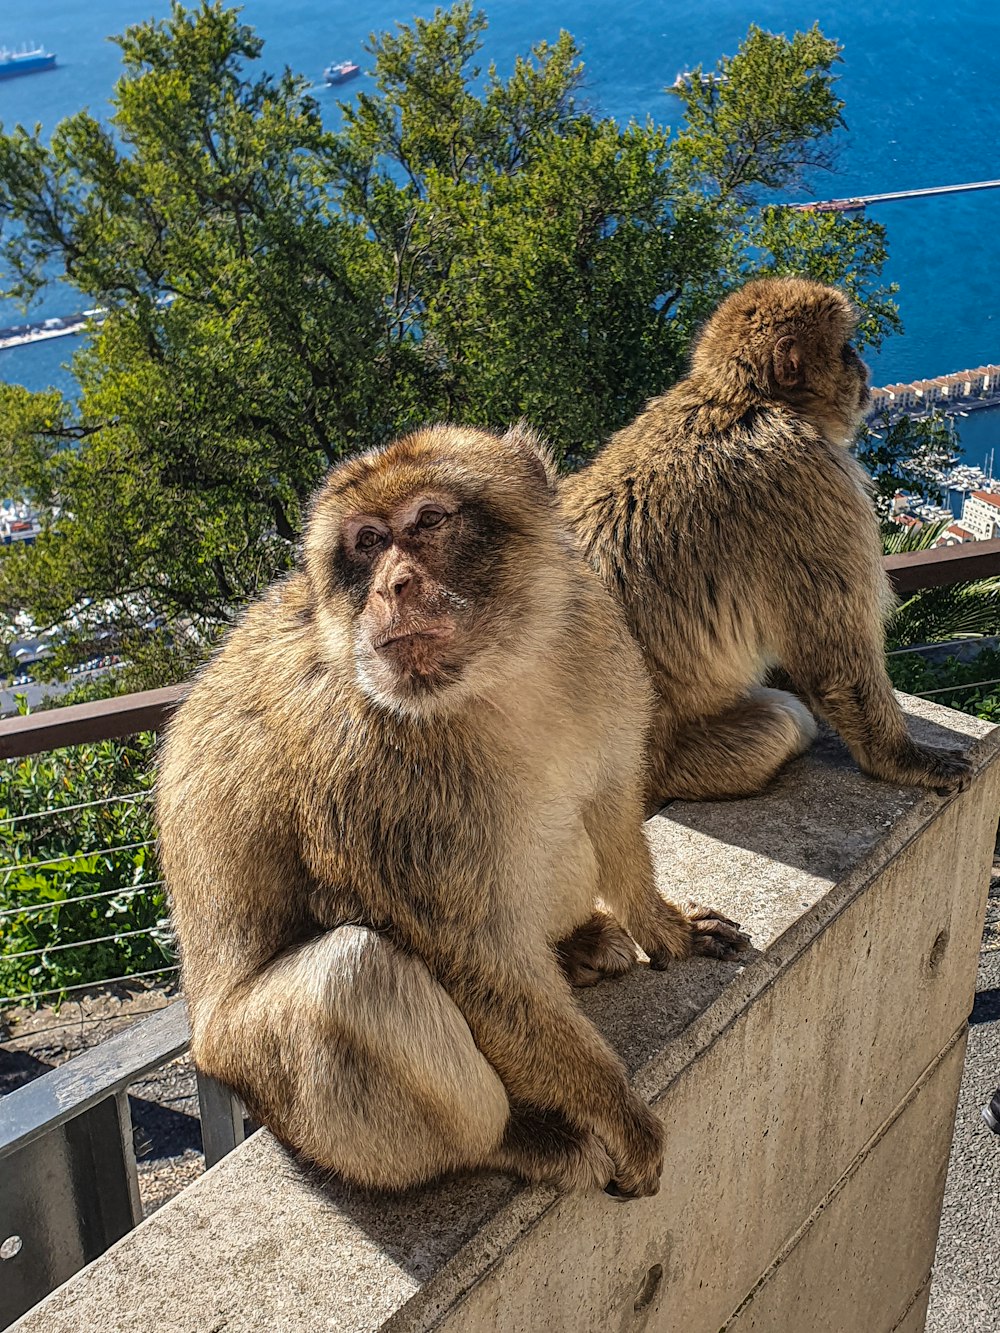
400 583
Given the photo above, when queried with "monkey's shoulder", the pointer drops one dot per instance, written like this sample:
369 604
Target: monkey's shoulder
262 683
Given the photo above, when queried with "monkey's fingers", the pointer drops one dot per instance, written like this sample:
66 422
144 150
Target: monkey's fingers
949 770
698 912
638 1156
716 935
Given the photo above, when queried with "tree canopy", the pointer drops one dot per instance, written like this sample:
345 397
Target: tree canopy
468 244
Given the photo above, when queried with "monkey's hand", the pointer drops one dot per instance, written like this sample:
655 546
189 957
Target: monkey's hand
713 933
635 1143
668 932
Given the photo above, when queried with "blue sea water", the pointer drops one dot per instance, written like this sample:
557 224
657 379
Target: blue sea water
919 80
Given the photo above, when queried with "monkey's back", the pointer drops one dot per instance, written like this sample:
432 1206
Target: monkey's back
700 520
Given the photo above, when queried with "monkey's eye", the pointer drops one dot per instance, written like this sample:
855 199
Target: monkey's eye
368 539
431 518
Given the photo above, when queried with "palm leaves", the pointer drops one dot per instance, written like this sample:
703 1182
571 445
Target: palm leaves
960 610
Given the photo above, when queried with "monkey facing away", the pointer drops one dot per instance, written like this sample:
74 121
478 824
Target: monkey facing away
736 530
372 866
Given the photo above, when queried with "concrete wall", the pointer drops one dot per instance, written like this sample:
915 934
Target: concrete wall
808 1095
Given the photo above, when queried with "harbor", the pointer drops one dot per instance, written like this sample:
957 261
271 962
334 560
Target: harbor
954 394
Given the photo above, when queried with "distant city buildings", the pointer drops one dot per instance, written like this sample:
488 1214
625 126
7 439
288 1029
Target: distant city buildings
958 392
980 520
981 515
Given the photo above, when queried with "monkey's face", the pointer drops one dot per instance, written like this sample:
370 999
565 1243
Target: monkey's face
428 559
409 575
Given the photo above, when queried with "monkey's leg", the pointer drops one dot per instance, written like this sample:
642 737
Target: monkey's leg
549 1056
731 754
599 948
855 695
627 883
352 1053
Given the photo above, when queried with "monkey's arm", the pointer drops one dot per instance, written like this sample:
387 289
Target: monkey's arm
837 661
523 1019
828 602
627 883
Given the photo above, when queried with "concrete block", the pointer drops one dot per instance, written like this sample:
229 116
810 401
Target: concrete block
839 1272
792 1085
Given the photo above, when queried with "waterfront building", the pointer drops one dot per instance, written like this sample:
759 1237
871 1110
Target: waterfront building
981 515
955 535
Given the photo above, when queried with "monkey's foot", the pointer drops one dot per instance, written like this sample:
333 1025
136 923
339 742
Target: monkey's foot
714 934
636 1146
946 770
941 769
542 1146
599 948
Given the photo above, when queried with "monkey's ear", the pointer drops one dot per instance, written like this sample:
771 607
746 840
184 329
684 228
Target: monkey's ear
787 361
526 441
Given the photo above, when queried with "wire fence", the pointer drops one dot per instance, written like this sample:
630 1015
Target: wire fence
82 903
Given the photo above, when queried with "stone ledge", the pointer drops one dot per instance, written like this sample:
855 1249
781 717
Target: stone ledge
775 1077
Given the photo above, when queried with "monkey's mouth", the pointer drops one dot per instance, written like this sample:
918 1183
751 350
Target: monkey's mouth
402 639
421 659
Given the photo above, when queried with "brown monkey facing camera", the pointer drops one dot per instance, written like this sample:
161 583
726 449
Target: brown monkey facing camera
736 530
372 865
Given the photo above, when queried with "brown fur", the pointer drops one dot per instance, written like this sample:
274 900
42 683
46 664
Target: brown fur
736 530
374 843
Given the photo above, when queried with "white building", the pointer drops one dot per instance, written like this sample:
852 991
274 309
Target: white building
954 535
981 515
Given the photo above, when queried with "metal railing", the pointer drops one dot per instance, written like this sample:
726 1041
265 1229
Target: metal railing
68 1184
914 570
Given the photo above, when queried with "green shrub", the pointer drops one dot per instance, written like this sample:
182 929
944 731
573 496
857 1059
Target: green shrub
972 687
52 855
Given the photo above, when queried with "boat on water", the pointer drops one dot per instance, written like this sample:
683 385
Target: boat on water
25 61
832 206
341 72
687 76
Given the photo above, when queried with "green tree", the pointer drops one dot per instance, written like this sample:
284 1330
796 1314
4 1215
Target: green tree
932 615
903 454
468 245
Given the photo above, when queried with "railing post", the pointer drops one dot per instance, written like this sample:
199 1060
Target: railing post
221 1119
127 1136
64 1198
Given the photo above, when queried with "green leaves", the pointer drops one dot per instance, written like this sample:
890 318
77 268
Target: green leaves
70 876
762 117
904 454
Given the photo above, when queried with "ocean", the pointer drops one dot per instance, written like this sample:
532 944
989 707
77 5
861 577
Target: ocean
919 81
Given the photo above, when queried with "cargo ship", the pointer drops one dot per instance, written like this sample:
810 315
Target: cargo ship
34 61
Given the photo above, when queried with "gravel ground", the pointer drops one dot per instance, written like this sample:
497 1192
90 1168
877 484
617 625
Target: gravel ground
164 1104
965 1293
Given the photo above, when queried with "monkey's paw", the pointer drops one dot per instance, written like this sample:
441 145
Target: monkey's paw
599 948
543 1146
945 770
637 1151
714 934
587 1166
